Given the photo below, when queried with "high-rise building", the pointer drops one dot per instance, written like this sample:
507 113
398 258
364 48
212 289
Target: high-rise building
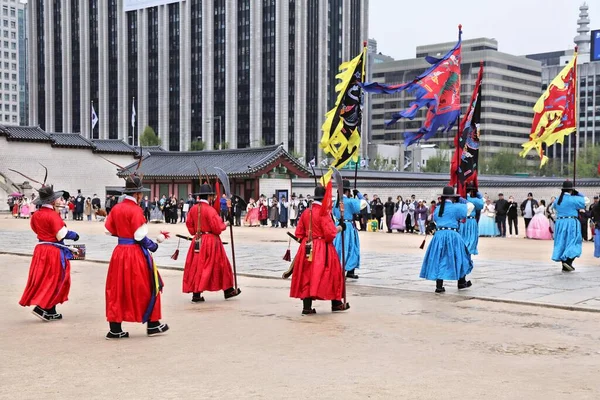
588 76
511 86
22 56
10 61
242 72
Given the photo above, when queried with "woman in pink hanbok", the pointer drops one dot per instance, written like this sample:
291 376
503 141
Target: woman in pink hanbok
25 208
252 214
539 227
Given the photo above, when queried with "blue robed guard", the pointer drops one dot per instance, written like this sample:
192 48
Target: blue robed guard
469 230
351 239
447 257
567 229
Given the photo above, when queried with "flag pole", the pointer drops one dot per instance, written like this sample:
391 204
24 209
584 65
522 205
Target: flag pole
458 134
575 145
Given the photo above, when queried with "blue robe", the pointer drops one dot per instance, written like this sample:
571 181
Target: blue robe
351 239
447 256
567 229
469 230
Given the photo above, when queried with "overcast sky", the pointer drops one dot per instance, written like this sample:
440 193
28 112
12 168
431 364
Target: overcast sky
520 26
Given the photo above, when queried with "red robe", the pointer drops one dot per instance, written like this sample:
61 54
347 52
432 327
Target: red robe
48 283
128 282
321 279
209 270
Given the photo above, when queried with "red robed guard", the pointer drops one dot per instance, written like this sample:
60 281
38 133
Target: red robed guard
317 270
49 278
207 267
133 285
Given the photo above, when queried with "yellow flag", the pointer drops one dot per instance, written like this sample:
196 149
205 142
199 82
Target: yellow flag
555 112
341 129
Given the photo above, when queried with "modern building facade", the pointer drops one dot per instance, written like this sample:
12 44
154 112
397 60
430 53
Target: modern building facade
12 63
511 86
588 76
245 73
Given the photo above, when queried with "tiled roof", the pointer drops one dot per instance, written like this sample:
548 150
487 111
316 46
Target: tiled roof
27 133
235 162
70 140
112 146
149 149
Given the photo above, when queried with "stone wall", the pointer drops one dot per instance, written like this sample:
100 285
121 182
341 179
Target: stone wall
68 168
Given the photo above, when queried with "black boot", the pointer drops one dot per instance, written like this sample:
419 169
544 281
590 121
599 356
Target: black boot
351 274
463 283
567 265
116 332
155 328
307 307
197 297
231 292
439 286
337 306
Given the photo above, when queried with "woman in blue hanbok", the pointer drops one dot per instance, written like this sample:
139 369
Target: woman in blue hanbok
447 257
567 229
487 220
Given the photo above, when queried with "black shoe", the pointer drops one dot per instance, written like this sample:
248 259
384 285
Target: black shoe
566 267
119 335
340 307
309 312
199 299
440 290
54 317
465 285
232 293
351 275
158 330
41 314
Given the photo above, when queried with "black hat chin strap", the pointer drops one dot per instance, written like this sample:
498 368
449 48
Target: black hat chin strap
442 206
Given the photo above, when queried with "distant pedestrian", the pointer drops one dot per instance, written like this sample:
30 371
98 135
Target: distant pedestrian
501 211
390 208
528 209
513 217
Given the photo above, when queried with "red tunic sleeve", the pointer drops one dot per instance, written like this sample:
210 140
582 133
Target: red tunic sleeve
301 229
216 223
109 225
56 223
328 227
192 220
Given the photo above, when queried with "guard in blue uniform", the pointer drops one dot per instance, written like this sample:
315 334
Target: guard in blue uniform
351 239
447 257
469 230
567 229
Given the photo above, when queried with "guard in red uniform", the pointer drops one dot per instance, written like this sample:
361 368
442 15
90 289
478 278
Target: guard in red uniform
50 271
207 267
318 276
133 285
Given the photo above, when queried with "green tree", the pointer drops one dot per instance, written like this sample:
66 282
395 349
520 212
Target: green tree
438 163
197 145
223 146
587 163
503 163
149 137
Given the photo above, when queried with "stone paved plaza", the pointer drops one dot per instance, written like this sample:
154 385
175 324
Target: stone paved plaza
516 270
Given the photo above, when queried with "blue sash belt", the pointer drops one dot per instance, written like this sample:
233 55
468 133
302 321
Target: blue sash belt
153 283
65 253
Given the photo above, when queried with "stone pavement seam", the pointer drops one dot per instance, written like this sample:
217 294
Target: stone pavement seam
461 296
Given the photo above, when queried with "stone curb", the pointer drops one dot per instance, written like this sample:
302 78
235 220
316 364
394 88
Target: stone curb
464 297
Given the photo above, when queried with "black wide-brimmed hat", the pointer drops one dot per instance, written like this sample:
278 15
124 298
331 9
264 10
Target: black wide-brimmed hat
293 195
134 184
449 192
319 193
567 185
47 195
301 197
346 184
205 190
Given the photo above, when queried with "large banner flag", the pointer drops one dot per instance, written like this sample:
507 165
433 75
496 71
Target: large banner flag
438 89
465 163
554 117
342 127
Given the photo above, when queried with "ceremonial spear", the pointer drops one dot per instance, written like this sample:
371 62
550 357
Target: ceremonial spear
337 176
222 175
